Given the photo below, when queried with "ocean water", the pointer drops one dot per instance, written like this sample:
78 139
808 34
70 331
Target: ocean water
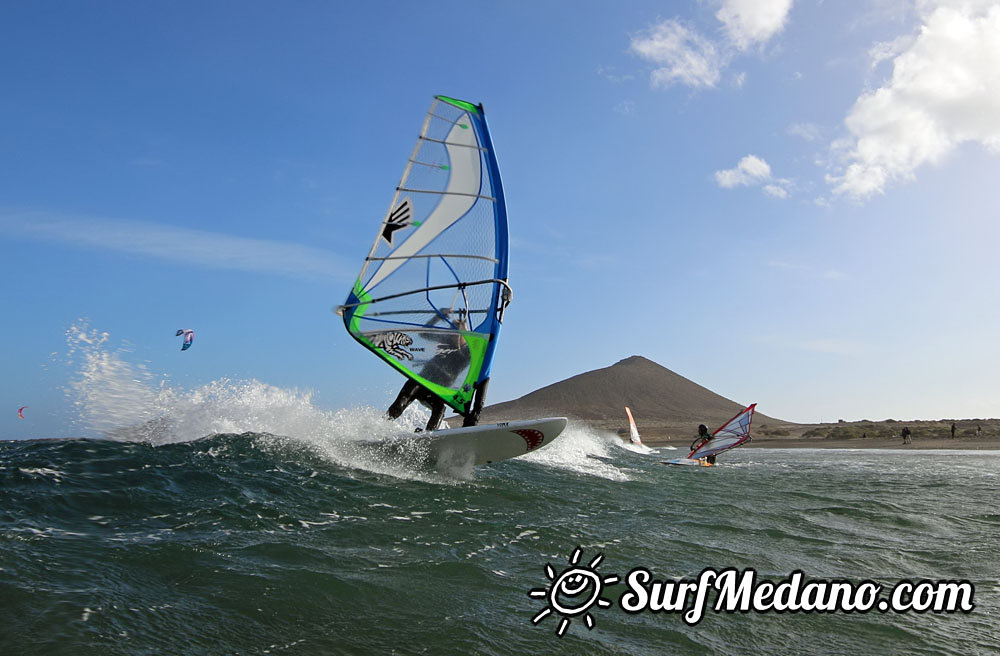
239 519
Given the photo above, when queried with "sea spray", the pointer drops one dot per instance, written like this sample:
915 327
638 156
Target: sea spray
119 399
581 449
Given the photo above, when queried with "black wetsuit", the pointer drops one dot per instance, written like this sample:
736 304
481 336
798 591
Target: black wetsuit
448 363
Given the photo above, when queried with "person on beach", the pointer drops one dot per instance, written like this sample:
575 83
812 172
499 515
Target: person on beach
906 435
979 431
952 430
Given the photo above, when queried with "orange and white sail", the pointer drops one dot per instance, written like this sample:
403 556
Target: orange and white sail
633 432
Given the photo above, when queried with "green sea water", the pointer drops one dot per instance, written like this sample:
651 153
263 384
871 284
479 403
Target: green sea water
258 544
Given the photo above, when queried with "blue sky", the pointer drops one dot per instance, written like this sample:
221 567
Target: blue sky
788 202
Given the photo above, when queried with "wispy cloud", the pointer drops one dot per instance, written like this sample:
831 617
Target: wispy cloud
748 171
944 91
609 74
625 107
807 131
752 171
682 55
835 346
182 245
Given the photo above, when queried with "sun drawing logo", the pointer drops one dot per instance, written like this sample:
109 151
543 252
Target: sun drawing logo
573 592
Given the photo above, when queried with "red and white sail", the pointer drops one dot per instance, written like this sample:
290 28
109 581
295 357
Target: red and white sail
731 434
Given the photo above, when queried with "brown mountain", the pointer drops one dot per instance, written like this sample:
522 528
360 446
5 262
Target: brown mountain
665 405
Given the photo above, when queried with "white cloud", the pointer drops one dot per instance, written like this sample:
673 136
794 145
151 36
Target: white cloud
775 191
751 22
944 91
681 55
184 245
750 172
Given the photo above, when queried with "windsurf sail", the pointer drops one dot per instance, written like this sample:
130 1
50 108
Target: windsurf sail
731 434
633 432
431 294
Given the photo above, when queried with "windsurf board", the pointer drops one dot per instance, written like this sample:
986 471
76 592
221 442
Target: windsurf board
490 443
690 462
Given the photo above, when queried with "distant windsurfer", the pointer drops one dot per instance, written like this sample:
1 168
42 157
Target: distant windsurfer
703 437
451 359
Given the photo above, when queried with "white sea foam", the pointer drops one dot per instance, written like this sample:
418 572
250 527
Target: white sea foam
119 399
122 400
583 450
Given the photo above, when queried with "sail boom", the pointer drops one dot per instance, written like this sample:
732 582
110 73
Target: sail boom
442 255
427 289
402 313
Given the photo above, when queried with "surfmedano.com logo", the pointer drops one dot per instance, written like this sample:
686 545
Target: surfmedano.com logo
578 588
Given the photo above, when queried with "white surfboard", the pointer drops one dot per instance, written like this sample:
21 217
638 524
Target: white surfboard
490 443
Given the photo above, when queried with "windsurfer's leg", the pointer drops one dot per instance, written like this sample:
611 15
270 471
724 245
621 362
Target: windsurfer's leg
403 399
472 418
437 414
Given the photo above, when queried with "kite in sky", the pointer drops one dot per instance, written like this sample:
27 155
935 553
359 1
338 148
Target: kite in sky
188 337
20 411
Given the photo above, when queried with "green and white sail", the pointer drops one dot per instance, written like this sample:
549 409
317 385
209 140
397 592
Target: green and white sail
430 296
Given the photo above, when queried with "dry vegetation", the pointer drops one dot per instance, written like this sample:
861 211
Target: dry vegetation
668 408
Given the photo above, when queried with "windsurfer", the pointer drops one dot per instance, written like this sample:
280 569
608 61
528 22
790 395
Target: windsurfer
450 360
703 436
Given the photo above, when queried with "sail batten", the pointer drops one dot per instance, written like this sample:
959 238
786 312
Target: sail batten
431 293
444 193
452 143
452 255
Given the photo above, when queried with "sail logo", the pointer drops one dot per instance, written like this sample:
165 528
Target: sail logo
532 438
573 592
398 218
392 342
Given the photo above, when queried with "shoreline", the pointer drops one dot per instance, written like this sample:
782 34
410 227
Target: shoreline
958 444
